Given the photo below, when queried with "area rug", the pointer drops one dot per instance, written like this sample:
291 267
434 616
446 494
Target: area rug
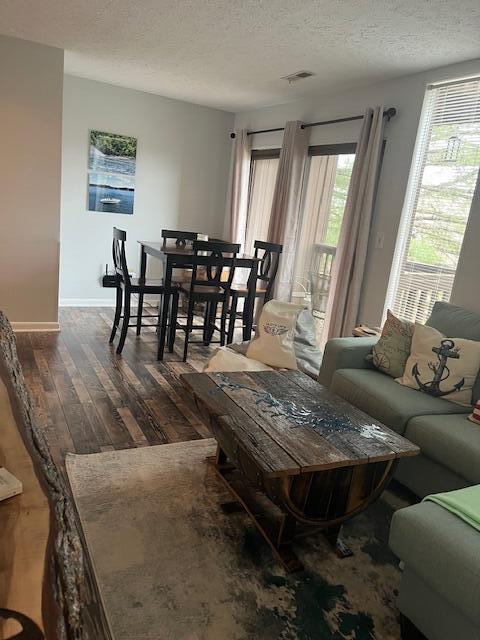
171 565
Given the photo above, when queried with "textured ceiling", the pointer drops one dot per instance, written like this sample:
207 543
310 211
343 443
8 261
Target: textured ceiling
231 54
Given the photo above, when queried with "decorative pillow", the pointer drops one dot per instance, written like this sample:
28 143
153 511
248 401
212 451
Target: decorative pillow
276 330
475 415
442 367
391 352
224 359
305 344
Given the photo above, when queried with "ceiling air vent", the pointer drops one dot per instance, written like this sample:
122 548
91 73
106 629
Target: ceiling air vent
295 77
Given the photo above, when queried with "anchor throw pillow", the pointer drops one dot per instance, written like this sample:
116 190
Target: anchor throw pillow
442 367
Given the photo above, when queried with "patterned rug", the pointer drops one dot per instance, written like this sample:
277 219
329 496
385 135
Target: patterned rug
170 565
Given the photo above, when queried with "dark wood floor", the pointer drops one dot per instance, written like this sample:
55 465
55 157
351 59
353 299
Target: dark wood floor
88 399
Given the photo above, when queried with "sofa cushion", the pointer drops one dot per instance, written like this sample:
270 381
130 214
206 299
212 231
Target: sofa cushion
443 551
385 400
451 440
345 353
452 320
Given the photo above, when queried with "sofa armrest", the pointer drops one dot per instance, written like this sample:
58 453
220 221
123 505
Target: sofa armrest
345 353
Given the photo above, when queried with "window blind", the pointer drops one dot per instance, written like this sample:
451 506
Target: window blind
438 200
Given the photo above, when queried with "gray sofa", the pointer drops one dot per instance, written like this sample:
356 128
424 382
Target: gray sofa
440 588
450 443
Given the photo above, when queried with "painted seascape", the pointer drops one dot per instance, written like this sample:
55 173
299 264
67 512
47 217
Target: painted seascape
111 177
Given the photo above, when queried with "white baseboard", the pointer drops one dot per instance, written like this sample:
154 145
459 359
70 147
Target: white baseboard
86 302
35 326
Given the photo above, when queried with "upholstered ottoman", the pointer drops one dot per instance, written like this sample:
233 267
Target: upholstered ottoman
440 587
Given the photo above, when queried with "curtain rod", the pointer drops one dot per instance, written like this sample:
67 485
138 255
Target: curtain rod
388 113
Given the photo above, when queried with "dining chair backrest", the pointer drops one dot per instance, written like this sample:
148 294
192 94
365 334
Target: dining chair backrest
268 264
119 257
214 263
181 237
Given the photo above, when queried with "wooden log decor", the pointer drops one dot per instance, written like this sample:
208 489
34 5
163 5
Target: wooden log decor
319 459
41 557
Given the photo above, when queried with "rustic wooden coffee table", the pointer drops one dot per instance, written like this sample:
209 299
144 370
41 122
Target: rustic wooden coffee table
319 459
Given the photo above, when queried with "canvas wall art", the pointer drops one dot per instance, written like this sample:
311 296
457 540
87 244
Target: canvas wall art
111 173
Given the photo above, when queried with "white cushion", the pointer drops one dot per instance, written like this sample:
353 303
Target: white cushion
224 359
276 331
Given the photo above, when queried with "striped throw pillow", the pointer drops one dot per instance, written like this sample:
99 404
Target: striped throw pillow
475 415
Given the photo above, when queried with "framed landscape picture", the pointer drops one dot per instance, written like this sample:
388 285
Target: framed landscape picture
111 172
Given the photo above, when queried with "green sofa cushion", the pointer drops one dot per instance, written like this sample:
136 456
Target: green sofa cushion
456 322
443 551
450 440
345 353
386 400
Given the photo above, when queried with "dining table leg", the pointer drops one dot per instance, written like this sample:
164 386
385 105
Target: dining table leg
143 271
143 263
162 334
249 304
164 309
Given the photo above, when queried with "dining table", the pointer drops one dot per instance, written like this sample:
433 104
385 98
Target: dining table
181 256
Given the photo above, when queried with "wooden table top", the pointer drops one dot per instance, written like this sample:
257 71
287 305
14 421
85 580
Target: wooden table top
289 424
160 250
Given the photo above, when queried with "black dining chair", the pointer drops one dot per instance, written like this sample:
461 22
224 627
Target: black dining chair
181 237
269 258
211 281
126 286
179 240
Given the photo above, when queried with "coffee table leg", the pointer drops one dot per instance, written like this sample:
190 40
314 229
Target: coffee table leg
334 537
286 534
221 456
232 506
278 533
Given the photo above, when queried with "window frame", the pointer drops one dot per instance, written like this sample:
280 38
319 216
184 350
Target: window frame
338 149
341 148
265 154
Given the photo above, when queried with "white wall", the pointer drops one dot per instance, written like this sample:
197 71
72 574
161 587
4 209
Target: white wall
406 94
31 79
465 288
183 159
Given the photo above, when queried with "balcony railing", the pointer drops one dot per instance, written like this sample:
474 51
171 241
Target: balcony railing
320 276
420 285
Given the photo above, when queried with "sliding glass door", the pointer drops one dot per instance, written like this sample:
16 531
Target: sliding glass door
324 198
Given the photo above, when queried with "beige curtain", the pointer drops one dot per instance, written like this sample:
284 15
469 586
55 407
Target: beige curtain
239 187
286 203
350 258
